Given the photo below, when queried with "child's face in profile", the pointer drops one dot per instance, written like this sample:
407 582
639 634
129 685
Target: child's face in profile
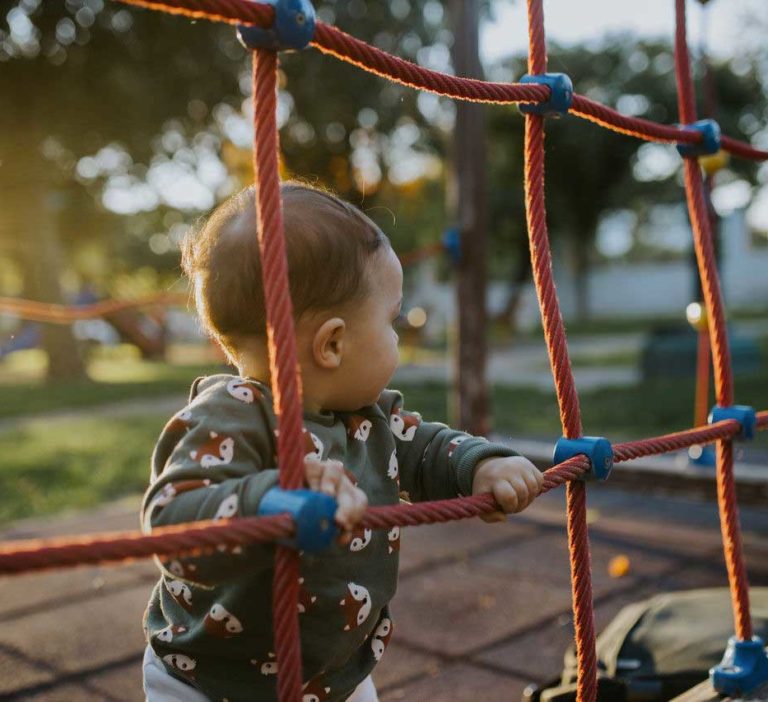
370 345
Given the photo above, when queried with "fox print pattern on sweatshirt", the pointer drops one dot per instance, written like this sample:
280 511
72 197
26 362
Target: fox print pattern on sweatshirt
209 618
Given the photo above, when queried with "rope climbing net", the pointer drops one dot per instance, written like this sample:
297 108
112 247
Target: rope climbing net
539 94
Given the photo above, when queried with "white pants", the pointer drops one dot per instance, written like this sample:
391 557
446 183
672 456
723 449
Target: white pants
159 686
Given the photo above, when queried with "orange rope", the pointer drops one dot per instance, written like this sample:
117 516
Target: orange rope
39 554
282 352
283 365
710 284
568 399
66 314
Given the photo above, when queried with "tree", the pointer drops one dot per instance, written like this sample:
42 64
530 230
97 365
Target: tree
590 170
470 189
114 98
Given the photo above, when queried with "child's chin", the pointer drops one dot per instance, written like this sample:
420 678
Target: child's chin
358 403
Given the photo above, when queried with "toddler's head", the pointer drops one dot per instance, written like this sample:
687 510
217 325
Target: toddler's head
345 283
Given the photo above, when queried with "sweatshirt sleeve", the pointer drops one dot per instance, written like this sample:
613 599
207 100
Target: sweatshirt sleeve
435 462
214 460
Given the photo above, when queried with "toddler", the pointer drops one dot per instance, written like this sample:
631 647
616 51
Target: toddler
208 623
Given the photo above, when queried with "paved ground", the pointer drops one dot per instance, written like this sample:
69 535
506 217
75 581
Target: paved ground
76 636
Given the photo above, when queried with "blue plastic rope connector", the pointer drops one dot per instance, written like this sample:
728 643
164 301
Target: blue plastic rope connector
710 143
744 667
452 244
312 512
293 28
597 449
560 95
743 414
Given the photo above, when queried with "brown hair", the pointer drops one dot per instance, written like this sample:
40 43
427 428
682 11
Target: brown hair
328 241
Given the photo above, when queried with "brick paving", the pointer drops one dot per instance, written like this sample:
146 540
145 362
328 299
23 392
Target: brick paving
503 620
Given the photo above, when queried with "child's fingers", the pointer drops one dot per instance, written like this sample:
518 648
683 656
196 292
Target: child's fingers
506 495
359 503
344 538
533 482
331 476
313 470
352 504
524 494
343 511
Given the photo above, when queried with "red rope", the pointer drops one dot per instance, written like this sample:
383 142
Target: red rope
568 400
229 11
632 126
427 251
181 539
677 440
705 256
701 397
541 262
331 40
40 554
281 341
739 148
283 365
66 314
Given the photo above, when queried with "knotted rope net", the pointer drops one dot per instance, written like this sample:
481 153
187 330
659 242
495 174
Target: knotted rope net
193 538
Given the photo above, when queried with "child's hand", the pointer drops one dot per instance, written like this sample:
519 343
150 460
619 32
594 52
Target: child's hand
513 481
331 478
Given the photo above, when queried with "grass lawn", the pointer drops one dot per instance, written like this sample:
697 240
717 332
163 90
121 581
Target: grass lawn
116 374
73 464
49 466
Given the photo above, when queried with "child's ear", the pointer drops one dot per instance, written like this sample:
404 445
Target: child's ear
328 343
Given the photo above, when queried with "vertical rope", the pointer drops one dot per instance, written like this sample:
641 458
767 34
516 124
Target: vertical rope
710 284
701 401
567 397
285 380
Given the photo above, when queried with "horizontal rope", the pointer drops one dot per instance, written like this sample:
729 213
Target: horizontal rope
410 258
229 11
66 314
333 41
40 554
678 440
190 538
739 148
632 126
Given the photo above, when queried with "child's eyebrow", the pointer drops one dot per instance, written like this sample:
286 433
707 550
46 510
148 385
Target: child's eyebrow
399 304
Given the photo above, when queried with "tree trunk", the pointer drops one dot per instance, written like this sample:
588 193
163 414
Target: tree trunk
470 403
43 267
521 274
581 271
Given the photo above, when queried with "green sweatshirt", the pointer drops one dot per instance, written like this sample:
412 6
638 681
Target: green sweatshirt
209 617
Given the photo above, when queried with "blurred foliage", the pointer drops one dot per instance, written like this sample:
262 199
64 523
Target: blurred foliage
590 170
138 89
48 466
110 95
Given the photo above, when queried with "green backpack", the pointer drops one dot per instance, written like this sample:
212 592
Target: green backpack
658 648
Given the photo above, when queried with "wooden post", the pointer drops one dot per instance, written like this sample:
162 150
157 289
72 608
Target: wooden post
468 200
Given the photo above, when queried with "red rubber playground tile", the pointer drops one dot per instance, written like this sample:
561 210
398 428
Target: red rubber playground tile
427 545
24 595
460 607
457 683
16 671
545 558
401 664
83 635
551 640
123 683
